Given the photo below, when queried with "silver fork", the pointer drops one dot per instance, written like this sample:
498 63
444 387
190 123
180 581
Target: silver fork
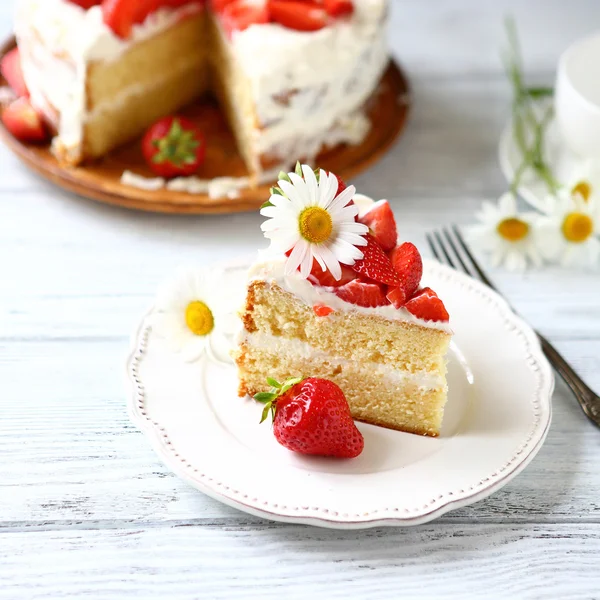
450 248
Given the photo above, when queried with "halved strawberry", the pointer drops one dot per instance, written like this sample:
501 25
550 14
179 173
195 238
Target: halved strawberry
426 305
122 15
375 264
240 14
338 8
24 122
86 3
295 14
326 279
380 220
408 264
10 67
361 293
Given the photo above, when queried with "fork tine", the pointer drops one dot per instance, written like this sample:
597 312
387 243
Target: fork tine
447 256
433 247
475 264
465 267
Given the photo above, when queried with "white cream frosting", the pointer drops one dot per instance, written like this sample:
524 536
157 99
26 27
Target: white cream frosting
272 271
329 74
281 345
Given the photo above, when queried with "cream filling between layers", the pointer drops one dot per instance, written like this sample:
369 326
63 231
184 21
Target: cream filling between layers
272 271
424 380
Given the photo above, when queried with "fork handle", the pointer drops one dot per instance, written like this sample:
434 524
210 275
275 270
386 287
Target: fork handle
582 392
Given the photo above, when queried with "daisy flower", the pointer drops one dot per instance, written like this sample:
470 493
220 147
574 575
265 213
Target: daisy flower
307 217
509 236
570 230
195 313
584 181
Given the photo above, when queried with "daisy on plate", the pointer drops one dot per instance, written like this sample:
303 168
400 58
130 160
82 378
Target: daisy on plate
570 230
311 221
195 313
509 236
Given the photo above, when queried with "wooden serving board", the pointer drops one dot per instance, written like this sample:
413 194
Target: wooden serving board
101 180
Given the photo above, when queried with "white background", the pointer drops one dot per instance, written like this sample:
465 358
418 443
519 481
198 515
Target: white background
87 511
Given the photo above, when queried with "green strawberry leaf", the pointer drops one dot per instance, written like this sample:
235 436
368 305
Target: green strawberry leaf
273 382
265 413
265 396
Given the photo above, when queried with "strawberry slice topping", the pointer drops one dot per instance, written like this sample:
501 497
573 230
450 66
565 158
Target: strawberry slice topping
396 296
361 293
10 67
122 15
426 305
375 264
326 279
380 220
321 310
240 14
408 264
86 3
24 122
295 14
338 8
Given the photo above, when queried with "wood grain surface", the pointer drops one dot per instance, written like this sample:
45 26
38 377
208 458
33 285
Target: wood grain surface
87 511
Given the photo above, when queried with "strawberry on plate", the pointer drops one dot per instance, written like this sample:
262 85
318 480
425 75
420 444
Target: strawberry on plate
408 264
338 8
240 14
298 14
426 305
311 416
10 67
375 264
362 293
379 218
174 147
24 122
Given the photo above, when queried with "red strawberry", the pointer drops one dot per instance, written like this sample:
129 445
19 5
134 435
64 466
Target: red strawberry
10 67
312 416
380 220
408 264
86 3
122 15
174 147
24 122
396 296
321 310
326 279
426 305
219 5
240 14
295 14
375 264
341 184
338 8
361 293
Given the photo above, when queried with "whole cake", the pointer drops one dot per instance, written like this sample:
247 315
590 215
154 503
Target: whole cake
337 297
293 76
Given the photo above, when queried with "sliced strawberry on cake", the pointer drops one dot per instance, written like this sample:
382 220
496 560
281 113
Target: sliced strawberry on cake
379 218
427 306
375 264
241 14
299 15
408 265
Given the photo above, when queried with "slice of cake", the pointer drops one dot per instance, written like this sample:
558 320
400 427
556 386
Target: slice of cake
341 300
292 76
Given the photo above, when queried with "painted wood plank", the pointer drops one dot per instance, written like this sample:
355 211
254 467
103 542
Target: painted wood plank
434 561
68 453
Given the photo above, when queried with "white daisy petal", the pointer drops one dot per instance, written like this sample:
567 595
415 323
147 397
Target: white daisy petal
296 257
312 186
330 261
294 193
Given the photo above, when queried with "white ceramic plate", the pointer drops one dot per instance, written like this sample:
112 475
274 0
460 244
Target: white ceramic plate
560 159
497 417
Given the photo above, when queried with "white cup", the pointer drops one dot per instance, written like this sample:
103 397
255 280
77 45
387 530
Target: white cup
577 97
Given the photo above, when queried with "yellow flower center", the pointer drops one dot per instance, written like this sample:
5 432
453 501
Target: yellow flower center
583 189
577 227
513 229
315 224
199 318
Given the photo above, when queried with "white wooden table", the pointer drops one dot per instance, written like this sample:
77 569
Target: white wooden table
87 511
